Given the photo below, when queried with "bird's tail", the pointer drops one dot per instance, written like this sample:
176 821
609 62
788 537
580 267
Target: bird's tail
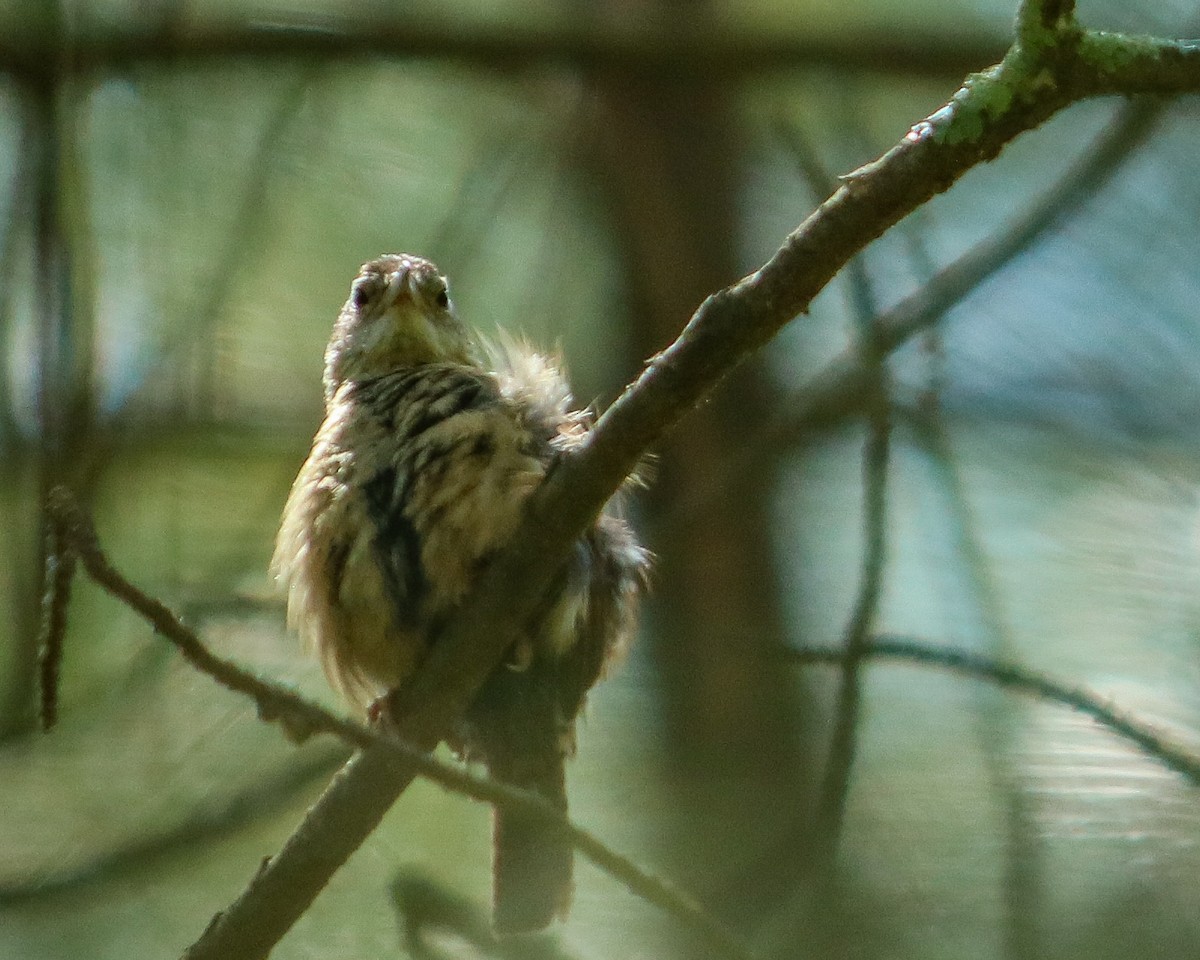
531 861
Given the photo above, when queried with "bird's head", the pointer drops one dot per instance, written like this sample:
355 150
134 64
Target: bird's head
398 315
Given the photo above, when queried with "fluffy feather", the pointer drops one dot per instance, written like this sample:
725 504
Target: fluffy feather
431 443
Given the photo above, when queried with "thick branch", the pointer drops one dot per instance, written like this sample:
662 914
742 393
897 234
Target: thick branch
302 718
60 572
989 111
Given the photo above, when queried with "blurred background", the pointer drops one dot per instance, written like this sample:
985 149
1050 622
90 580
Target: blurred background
187 188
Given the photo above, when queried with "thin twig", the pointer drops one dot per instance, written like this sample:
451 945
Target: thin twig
709 52
301 718
60 571
1011 676
835 785
994 721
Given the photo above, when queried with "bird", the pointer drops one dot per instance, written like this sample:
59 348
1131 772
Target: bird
433 440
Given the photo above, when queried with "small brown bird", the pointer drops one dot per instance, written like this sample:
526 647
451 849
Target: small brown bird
431 443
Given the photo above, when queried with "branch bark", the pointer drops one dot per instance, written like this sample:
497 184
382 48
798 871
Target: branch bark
75 539
991 109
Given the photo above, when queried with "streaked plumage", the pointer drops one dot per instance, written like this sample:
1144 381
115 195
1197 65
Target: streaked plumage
431 442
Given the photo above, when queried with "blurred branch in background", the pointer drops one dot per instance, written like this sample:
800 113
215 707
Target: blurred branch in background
1019 679
825 828
76 540
302 720
23 550
667 154
829 816
996 723
840 391
64 315
1128 131
715 54
852 385
197 336
248 231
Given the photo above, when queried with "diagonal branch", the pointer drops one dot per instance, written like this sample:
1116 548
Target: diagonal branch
834 792
75 539
1010 676
991 109
844 384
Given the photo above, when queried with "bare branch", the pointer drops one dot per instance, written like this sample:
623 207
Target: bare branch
1011 676
714 53
302 718
60 570
1115 63
835 787
991 109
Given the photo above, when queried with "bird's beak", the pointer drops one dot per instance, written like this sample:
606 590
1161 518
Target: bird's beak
400 282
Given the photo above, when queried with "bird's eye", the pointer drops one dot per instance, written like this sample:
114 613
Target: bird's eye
362 292
442 299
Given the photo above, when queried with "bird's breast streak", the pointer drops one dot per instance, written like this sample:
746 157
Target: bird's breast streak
469 482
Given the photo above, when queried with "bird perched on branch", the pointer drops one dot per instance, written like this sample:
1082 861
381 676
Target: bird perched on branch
431 443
